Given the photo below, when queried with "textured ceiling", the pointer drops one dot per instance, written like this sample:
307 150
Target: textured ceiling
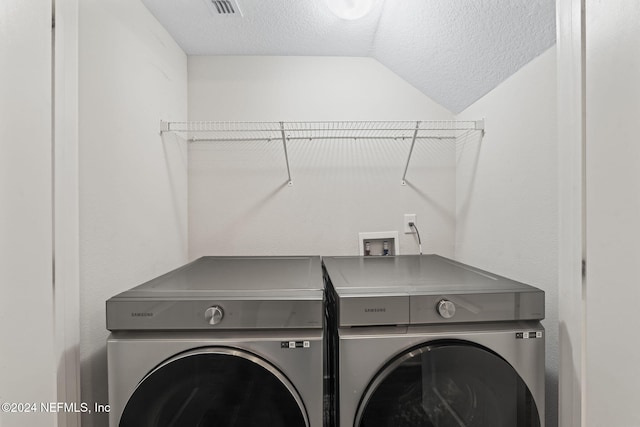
454 51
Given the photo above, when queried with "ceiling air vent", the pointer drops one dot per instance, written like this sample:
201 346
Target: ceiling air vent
224 7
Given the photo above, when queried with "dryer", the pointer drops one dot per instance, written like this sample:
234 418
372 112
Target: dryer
224 341
427 341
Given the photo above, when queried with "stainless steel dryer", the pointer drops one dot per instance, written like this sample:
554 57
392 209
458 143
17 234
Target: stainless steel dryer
223 341
427 341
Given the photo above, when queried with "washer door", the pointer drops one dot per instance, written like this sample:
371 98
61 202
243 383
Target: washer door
214 387
448 384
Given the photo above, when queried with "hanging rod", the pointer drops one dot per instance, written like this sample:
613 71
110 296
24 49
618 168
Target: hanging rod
302 138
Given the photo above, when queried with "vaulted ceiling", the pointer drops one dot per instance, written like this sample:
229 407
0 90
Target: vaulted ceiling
454 51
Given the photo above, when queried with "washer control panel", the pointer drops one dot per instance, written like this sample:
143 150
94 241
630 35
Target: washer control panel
446 309
214 314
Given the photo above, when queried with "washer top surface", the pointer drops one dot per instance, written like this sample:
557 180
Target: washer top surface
413 275
237 277
225 293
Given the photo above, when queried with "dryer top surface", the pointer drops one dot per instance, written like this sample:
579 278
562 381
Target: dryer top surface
413 275
425 289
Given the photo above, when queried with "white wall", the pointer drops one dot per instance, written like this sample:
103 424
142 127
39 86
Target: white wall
612 212
133 191
507 192
239 203
27 367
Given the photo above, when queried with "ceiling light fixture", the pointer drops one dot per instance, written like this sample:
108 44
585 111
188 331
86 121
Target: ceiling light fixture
350 9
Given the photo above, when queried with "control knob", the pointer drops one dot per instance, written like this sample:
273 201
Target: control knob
214 314
446 309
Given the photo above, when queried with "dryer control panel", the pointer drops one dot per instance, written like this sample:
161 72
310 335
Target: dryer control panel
476 307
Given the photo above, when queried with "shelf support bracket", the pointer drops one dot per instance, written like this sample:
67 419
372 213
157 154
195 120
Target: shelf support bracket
286 155
413 143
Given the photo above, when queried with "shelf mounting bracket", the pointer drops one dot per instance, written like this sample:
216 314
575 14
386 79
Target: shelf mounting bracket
480 126
164 127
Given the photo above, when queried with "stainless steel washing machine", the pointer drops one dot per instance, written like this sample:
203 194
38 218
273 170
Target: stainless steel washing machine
427 341
222 341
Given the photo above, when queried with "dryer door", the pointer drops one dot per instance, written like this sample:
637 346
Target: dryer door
448 384
215 387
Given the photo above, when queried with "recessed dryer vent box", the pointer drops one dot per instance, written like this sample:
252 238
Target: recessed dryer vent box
376 243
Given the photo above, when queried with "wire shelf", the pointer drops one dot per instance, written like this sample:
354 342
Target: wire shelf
212 131
207 131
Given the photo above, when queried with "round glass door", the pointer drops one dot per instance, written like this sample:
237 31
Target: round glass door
448 384
214 387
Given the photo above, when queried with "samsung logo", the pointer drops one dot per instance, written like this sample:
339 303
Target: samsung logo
141 314
375 310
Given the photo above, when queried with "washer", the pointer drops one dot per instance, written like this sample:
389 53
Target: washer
427 341
224 341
